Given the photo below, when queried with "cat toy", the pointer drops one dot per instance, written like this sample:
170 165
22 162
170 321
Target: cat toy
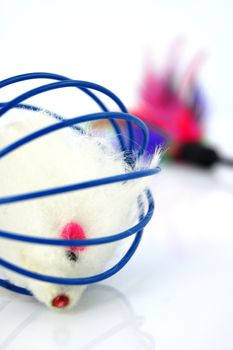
68 197
174 107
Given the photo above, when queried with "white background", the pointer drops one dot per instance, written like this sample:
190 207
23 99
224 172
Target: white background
177 291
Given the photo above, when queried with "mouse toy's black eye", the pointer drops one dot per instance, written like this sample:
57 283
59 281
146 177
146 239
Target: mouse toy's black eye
72 256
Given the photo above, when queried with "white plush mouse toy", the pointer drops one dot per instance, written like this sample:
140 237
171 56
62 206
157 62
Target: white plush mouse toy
61 158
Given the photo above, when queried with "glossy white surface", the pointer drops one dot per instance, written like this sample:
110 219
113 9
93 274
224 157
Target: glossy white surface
176 293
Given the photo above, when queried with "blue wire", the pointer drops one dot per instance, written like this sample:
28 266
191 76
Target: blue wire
39 109
77 281
87 242
83 280
79 186
42 75
13 288
68 122
111 116
92 279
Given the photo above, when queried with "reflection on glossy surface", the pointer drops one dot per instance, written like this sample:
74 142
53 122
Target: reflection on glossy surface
104 319
180 281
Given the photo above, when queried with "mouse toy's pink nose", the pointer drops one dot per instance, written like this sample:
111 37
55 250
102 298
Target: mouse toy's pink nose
60 301
73 230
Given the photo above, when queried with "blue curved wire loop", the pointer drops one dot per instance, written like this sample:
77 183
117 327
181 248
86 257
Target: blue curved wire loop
137 229
77 120
88 241
33 108
42 75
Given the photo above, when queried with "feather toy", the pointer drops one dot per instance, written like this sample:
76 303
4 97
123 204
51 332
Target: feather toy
174 108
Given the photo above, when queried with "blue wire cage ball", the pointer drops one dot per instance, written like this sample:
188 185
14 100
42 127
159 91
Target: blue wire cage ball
127 146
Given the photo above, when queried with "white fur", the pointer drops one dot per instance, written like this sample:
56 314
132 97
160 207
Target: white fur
60 158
